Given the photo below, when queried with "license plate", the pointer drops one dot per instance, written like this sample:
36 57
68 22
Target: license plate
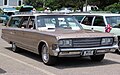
89 52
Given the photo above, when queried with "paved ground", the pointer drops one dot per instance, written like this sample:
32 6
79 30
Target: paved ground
26 63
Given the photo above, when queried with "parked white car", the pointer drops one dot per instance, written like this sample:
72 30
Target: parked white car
104 22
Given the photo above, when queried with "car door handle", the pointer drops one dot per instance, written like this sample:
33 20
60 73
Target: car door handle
92 29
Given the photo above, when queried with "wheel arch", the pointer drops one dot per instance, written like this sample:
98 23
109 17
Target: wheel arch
41 43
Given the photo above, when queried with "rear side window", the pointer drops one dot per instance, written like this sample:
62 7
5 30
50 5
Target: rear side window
87 20
99 21
15 22
31 23
24 22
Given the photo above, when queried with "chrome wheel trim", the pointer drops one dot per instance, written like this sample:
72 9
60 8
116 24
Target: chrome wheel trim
13 47
119 46
45 54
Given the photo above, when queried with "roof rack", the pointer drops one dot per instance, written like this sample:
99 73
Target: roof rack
100 12
90 12
77 12
41 12
20 13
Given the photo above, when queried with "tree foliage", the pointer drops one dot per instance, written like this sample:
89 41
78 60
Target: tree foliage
57 4
113 8
35 3
76 4
102 3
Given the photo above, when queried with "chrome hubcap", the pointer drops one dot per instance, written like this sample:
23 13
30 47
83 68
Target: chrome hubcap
119 46
13 46
45 54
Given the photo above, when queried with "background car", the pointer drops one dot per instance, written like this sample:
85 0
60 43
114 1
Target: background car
104 22
9 11
4 19
26 8
6 13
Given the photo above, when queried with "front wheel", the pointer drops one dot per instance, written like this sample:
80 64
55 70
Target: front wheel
46 57
97 58
15 48
118 50
118 47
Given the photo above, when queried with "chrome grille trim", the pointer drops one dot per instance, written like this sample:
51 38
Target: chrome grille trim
87 42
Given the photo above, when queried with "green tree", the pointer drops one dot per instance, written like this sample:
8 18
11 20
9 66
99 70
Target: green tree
102 3
57 4
76 4
34 3
113 8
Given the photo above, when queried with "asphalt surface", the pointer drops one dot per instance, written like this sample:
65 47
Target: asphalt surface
27 63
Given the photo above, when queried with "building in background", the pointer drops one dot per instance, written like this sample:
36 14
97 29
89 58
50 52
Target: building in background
10 3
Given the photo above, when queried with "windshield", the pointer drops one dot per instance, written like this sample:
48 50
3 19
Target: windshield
58 21
114 21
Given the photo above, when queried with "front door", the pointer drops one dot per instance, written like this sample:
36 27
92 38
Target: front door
99 24
29 33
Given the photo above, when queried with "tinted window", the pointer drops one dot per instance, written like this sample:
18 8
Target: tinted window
15 21
19 2
99 21
87 20
5 2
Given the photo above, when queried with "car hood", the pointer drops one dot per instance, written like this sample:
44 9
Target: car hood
68 33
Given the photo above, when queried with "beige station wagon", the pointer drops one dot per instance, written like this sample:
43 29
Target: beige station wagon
55 35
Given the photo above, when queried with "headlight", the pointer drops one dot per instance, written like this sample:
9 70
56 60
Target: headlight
65 43
107 41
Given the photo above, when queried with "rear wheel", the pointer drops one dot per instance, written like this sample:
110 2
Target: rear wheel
15 48
97 58
46 57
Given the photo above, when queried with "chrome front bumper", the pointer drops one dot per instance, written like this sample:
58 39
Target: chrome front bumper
63 52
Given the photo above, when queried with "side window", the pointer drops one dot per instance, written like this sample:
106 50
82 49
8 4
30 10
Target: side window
31 24
24 22
87 20
99 21
15 21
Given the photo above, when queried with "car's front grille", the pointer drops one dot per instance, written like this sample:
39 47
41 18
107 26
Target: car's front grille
86 42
